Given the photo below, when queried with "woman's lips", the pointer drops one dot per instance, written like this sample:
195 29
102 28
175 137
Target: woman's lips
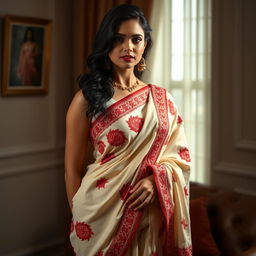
127 58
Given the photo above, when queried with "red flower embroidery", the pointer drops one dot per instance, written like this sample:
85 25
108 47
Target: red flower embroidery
124 191
83 231
186 191
101 183
171 107
101 146
116 137
154 254
184 223
99 253
184 154
179 121
107 158
71 227
135 123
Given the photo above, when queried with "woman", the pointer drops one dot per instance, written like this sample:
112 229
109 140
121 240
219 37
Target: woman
133 199
27 70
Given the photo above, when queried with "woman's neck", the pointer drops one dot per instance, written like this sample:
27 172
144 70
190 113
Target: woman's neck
124 77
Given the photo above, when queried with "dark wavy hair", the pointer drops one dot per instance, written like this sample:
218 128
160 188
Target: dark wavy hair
96 85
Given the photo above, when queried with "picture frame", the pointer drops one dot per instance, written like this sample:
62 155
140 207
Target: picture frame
26 56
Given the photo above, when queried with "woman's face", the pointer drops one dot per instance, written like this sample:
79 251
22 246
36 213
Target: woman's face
129 44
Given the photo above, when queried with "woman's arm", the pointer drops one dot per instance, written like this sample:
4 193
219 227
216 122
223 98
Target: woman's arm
77 127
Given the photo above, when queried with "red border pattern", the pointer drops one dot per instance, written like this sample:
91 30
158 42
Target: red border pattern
184 251
125 233
130 220
118 110
160 176
160 100
163 187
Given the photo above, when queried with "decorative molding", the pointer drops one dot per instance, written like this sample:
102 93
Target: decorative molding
12 152
249 145
57 245
237 70
235 169
18 170
216 95
238 73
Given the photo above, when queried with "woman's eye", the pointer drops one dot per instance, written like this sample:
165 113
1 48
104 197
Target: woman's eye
136 40
118 39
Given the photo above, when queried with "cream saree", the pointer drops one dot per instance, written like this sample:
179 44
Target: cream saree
139 135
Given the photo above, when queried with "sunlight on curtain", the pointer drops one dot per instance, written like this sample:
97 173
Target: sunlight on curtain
180 62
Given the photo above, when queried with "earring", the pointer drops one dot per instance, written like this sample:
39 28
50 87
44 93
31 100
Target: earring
141 65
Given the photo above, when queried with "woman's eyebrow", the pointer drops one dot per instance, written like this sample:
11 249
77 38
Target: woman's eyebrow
123 35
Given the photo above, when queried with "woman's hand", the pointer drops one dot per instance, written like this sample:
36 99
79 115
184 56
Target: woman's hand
142 193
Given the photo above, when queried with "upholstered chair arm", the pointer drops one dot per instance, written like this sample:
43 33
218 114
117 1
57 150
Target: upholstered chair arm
250 252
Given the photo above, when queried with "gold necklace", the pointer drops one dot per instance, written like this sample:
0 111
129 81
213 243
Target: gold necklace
128 88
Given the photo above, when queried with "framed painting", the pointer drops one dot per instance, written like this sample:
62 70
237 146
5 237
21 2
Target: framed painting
26 56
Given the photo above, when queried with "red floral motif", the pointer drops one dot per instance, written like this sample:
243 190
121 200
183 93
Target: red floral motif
99 253
184 223
184 154
101 183
116 137
124 191
186 191
71 227
171 107
135 123
101 146
83 231
118 110
154 254
107 158
179 121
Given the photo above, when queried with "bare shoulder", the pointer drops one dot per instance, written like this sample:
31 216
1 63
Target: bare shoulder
79 99
78 106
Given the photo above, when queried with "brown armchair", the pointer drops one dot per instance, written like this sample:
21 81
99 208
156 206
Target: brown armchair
232 217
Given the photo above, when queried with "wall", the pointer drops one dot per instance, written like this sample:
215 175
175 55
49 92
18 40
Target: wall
233 95
32 193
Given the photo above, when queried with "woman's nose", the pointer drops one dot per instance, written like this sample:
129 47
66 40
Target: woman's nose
128 45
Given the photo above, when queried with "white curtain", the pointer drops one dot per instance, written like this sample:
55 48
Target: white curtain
180 62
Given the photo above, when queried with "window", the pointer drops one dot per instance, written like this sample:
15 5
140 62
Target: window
180 62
